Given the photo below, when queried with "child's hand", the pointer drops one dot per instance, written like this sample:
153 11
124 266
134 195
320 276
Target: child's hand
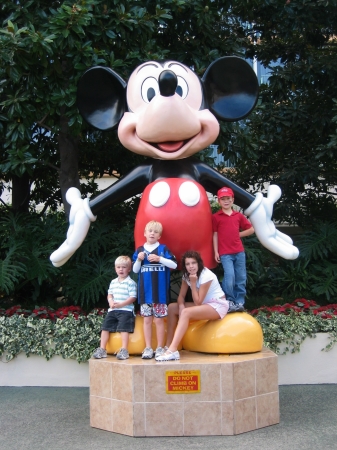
181 307
114 304
193 278
141 256
153 258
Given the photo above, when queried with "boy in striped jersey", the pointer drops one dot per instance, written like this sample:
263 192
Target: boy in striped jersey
153 262
122 294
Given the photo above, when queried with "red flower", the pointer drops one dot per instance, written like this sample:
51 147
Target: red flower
17 310
99 311
66 311
300 305
43 312
326 316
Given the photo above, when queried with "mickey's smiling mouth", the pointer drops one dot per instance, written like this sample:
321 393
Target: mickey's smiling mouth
170 146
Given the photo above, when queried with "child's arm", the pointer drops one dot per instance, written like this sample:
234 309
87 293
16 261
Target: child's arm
168 262
138 263
245 233
123 303
215 246
198 295
165 261
110 300
182 295
132 293
110 296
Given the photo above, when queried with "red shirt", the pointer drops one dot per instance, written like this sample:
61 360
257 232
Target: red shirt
228 228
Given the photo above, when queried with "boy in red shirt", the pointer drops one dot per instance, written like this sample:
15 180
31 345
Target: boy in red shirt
229 227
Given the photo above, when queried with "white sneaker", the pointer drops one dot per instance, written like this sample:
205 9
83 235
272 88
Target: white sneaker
168 356
122 354
159 351
99 353
148 353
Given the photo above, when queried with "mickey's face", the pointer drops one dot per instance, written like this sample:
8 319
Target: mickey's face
165 118
165 111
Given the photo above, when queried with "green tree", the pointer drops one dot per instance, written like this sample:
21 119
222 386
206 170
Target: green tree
45 46
290 139
45 146
44 49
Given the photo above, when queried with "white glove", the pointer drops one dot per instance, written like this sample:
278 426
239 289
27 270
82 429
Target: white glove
260 213
79 221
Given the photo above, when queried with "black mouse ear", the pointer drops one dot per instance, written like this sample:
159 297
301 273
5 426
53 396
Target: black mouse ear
101 97
231 88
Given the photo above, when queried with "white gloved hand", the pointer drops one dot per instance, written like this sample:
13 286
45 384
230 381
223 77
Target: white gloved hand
79 221
260 213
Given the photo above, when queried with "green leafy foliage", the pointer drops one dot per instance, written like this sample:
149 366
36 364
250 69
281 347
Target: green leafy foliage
283 333
325 280
46 47
320 242
77 338
76 335
91 282
11 271
291 135
25 246
290 138
27 275
74 338
313 274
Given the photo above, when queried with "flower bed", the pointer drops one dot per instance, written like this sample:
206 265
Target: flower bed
71 333
68 332
286 326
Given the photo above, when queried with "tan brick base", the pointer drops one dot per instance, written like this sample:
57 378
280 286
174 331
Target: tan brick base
239 393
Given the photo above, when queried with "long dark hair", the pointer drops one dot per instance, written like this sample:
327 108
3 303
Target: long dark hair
195 255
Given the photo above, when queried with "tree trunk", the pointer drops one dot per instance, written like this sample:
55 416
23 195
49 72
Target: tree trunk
68 148
20 193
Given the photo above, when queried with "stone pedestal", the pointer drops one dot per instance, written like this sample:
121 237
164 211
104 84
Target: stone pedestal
227 394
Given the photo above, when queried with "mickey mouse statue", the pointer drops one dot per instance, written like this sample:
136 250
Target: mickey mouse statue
167 113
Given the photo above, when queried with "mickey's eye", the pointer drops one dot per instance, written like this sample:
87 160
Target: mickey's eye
182 88
150 89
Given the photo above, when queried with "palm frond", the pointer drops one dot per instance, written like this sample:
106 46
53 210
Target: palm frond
320 242
39 266
325 281
91 281
11 271
99 239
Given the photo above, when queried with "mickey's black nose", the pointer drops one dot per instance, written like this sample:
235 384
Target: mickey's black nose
167 83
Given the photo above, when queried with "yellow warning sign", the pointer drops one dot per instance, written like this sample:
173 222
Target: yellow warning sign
183 381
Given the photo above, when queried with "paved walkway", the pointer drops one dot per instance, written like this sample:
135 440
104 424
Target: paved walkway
41 418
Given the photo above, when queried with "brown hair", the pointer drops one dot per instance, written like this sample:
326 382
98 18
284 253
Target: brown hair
195 255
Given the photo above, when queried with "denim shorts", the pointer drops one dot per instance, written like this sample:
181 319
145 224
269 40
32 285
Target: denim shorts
158 310
119 321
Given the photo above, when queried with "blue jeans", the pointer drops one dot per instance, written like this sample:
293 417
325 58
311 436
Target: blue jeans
234 280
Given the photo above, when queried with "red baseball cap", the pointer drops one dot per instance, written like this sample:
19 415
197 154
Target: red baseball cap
225 192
